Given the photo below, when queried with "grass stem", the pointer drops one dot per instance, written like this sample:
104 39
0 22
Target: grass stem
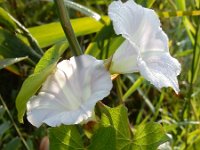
14 124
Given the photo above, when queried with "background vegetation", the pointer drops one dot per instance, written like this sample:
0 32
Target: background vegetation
179 114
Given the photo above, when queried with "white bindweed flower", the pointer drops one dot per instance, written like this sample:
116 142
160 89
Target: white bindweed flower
145 48
69 95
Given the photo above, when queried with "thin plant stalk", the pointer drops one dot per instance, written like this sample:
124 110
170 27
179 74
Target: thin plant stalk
67 27
190 91
14 124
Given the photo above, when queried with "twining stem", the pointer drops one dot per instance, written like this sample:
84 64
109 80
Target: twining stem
67 27
14 124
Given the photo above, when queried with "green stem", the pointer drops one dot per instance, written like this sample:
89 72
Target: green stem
14 124
67 27
119 90
186 106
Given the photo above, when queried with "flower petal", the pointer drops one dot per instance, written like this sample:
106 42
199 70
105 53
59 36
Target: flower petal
160 69
124 59
69 95
49 110
126 17
139 25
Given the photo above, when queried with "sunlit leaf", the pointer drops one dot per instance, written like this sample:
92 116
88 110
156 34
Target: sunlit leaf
146 137
49 34
103 139
65 138
149 136
118 118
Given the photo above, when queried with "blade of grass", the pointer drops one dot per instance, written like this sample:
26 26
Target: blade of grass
25 32
14 124
119 90
133 88
150 3
147 101
9 61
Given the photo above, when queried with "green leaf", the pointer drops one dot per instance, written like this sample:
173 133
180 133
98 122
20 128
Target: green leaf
14 144
118 118
6 21
11 46
149 136
146 137
103 139
4 127
65 138
52 33
30 86
9 61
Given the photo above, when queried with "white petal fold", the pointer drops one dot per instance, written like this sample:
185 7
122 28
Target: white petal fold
125 59
145 48
69 95
160 69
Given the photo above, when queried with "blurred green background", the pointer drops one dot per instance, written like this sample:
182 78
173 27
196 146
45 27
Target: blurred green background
179 114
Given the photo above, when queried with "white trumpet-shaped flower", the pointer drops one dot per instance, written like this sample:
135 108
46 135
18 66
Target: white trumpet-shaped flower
69 95
145 48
